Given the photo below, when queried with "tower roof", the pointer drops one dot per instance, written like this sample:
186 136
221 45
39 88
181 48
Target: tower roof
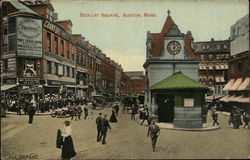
178 81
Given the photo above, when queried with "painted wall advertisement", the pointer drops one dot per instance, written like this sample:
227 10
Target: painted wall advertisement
29 37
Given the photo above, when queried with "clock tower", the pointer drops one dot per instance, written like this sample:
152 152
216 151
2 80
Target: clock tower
168 52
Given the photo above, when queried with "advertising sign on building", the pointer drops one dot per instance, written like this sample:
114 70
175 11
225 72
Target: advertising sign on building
29 37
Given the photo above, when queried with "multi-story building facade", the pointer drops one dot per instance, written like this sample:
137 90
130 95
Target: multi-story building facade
118 78
42 58
213 68
126 88
137 80
238 67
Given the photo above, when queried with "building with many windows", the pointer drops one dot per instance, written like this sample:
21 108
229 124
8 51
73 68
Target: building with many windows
238 67
213 68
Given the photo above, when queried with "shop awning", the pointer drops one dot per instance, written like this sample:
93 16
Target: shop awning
228 85
225 99
243 99
222 66
7 86
222 79
226 66
236 84
244 85
71 86
217 66
217 79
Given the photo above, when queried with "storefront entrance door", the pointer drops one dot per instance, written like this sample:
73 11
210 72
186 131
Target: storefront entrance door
165 108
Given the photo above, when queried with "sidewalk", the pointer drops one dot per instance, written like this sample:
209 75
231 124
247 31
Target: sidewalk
170 126
37 113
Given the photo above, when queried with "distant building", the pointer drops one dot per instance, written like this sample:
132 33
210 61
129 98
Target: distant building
168 52
239 67
137 80
213 68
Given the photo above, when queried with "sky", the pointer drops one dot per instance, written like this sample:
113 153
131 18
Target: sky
123 38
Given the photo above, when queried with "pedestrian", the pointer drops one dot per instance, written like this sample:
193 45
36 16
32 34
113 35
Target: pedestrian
68 150
113 118
215 117
133 113
18 105
85 112
99 126
246 119
154 132
145 116
31 112
117 108
79 110
104 129
91 111
140 112
150 119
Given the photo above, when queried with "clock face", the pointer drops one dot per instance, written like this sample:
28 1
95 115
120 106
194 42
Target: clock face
174 47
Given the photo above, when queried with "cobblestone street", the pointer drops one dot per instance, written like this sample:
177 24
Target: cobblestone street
126 140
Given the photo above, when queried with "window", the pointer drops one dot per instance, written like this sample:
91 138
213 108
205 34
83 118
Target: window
62 44
50 15
68 52
73 52
68 71
210 57
217 57
56 47
12 43
202 57
56 68
225 46
5 30
12 25
73 72
5 65
203 47
240 67
218 47
49 67
49 41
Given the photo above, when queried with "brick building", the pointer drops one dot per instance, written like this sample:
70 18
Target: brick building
137 81
42 58
213 68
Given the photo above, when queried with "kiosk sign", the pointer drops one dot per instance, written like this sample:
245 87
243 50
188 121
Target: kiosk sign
29 37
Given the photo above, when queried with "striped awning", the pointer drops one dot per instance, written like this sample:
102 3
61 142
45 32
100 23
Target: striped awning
244 85
236 84
229 85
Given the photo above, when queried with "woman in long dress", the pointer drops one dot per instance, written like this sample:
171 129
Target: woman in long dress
113 117
68 150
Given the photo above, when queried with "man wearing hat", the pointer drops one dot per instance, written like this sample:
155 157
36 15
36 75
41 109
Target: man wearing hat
154 132
104 129
99 126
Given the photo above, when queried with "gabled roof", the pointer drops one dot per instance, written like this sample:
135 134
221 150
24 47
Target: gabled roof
178 81
158 39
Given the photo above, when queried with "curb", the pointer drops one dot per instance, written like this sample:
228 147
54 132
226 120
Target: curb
37 114
207 128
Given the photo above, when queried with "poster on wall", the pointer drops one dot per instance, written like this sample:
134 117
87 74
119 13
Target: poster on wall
29 37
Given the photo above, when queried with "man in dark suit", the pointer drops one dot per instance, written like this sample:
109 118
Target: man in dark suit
31 113
154 132
99 126
105 126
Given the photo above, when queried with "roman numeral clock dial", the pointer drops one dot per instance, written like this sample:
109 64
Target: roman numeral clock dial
174 47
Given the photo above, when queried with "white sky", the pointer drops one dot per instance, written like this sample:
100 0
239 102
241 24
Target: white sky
123 39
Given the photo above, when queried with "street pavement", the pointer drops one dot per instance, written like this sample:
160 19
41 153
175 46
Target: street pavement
126 140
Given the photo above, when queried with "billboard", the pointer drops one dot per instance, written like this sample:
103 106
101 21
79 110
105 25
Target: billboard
29 37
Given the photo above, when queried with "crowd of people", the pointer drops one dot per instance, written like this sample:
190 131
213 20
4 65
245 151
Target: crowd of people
235 118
